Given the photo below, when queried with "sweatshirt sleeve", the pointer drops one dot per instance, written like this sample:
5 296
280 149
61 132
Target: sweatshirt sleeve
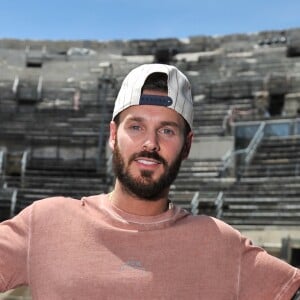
14 249
263 276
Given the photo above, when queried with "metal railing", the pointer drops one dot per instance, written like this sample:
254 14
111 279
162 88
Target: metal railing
248 152
219 204
279 127
15 85
2 161
24 162
104 85
13 202
39 88
254 143
195 203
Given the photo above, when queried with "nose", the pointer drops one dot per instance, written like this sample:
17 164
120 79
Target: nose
151 143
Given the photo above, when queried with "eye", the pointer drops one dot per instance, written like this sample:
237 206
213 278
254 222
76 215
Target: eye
135 127
167 131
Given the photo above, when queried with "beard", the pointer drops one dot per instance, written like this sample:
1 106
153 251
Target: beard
144 186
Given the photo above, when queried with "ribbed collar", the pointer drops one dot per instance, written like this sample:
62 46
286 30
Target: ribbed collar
124 220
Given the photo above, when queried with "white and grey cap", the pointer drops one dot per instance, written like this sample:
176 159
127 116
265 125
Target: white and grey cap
179 91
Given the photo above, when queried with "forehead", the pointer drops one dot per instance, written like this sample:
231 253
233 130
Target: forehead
151 113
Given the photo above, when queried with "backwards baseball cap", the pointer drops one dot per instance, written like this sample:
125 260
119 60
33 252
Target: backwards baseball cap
179 91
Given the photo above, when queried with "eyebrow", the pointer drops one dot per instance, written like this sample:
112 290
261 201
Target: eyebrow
163 123
137 119
170 123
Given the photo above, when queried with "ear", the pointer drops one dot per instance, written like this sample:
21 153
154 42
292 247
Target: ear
187 145
112 134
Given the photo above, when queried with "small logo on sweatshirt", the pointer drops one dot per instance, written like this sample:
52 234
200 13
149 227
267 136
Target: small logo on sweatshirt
132 264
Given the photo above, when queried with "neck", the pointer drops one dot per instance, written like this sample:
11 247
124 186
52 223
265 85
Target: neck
122 199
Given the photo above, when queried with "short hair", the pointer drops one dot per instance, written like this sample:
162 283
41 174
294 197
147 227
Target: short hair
157 82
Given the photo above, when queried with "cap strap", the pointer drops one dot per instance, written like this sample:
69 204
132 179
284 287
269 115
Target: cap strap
155 100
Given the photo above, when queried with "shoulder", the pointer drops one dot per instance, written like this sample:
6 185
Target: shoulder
64 206
54 207
43 208
54 203
214 227
211 223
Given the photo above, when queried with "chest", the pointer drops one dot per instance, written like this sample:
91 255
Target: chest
160 266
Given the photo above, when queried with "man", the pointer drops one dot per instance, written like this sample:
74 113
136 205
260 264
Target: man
133 243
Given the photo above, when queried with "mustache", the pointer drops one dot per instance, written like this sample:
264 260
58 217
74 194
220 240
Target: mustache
148 154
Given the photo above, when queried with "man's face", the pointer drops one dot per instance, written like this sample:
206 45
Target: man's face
148 147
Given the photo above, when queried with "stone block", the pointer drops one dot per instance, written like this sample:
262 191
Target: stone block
292 104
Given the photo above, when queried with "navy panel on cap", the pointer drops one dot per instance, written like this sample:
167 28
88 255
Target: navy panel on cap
155 100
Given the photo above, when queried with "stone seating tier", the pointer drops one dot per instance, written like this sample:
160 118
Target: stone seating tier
254 201
276 156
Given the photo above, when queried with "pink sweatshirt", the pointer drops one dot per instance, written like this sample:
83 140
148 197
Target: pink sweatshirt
69 249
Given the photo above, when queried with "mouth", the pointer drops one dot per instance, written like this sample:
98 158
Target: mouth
147 161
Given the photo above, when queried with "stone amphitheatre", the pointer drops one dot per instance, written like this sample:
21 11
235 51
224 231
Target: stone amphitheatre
56 100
